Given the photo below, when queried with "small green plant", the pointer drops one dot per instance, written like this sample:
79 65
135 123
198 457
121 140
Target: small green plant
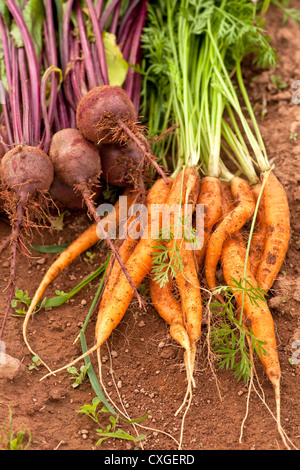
112 430
229 339
293 136
278 84
89 256
78 376
35 363
21 302
58 221
11 441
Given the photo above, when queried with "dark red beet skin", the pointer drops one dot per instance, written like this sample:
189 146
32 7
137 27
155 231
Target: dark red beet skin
120 163
75 159
27 170
102 102
66 198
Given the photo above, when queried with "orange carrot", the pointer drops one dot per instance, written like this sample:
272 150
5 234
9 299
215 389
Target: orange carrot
185 190
259 234
210 198
232 222
169 308
113 270
256 316
227 201
138 266
277 220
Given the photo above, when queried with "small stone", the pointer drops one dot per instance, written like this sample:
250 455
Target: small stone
83 302
240 393
114 354
141 324
119 384
41 261
55 394
168 352
9 366
296 295
161 344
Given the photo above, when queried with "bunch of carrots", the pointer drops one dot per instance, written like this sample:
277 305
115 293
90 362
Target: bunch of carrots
189 98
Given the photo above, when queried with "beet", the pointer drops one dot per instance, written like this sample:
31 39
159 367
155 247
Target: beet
26 170
110 101
75 159
106 114
120 164
76 164
66 198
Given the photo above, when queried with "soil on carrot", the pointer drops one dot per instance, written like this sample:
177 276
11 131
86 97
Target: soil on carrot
142 367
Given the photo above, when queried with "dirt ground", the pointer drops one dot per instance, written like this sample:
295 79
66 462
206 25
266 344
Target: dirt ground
146 365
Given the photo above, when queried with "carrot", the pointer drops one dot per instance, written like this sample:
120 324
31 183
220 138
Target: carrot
210 197
232 222
113 270
277 220
87 239
259 234
256 315
138 266
185 190
227 201
169 308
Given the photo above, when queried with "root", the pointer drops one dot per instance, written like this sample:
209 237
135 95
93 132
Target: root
249 389
15 236
125 414
276 386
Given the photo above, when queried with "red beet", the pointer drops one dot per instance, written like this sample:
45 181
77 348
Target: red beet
75 159
106 114
121 164
107 101
66 198
26 170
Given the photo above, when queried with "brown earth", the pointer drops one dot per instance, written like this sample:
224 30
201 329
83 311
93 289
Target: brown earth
146 364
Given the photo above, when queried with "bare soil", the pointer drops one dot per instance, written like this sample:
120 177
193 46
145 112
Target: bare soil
146 364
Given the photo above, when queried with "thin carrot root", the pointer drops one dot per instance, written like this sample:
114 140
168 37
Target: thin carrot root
85 241
256 316
138 266
277 220
232 222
